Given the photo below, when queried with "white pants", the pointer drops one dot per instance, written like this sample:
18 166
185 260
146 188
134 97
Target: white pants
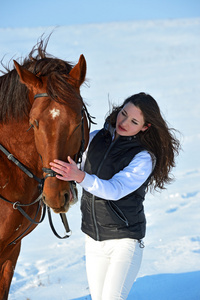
112 267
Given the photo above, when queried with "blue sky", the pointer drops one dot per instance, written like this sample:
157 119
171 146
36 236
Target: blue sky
34 13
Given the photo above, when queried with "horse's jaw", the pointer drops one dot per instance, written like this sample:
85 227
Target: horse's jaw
69 198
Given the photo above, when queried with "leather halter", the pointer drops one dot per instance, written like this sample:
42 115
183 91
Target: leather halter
41 95
50 173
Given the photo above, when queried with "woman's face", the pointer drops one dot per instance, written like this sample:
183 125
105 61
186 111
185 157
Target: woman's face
130 121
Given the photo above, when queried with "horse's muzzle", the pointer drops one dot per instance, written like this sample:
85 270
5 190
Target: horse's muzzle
70 198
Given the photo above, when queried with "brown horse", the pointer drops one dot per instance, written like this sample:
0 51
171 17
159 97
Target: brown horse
42 95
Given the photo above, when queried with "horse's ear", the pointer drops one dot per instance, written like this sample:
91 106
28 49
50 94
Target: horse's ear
26 77
78 72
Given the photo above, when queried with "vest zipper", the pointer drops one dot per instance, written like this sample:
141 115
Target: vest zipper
93 197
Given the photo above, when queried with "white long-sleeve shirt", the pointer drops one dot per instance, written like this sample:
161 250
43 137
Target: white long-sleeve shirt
122 183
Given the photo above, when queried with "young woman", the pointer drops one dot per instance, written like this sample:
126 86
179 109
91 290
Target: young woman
135 150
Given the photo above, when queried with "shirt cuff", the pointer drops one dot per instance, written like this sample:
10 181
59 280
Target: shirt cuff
87 182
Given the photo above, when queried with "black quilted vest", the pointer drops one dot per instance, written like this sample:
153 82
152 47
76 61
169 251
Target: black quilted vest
105 219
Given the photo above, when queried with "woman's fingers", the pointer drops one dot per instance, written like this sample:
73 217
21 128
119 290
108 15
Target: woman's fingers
71 161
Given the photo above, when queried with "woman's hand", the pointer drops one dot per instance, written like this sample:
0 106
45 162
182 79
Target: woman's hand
68 171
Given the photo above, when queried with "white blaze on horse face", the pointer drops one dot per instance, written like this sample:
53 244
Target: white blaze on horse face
55 113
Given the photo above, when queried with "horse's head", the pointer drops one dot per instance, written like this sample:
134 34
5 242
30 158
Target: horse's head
60 124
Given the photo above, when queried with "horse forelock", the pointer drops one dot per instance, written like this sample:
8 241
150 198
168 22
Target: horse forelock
63 92
14 101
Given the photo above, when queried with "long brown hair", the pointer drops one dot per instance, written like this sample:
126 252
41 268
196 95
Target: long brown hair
158 139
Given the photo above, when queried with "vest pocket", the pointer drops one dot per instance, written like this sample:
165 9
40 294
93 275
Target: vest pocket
117 211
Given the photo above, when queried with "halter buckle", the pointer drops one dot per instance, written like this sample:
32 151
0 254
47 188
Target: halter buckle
16 204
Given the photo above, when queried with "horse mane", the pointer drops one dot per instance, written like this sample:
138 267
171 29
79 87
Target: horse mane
14 101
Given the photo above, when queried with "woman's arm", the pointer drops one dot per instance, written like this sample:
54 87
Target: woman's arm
121 184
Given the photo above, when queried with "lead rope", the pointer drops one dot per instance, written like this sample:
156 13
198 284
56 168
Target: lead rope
65 223
51 173
32 221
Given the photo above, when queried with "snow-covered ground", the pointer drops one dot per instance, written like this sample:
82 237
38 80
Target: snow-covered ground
161 58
